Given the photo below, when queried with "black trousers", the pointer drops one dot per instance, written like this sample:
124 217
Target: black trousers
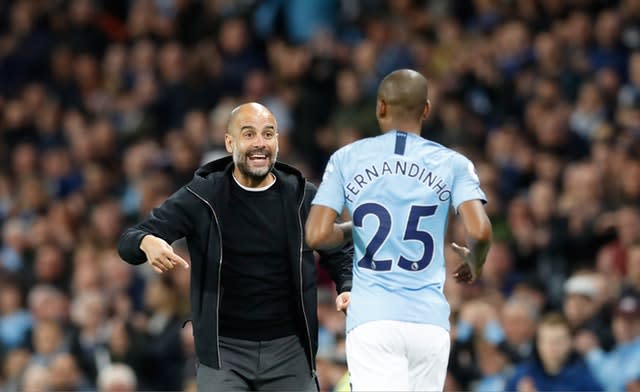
274 365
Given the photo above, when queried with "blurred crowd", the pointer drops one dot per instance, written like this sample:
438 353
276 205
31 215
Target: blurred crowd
106 107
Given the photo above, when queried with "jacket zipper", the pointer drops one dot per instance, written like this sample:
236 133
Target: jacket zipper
304 313
215 217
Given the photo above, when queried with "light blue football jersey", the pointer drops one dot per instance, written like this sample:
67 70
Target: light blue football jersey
398 188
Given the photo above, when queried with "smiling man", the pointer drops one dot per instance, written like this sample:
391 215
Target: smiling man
253 278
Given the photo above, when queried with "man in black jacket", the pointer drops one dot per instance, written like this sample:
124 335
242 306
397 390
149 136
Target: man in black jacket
253 278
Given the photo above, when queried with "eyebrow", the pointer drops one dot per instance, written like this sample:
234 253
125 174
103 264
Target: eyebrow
251 127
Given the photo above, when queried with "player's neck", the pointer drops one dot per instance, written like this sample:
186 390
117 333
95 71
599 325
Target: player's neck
409 128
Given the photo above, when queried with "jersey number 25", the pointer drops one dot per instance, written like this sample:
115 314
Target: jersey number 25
384 227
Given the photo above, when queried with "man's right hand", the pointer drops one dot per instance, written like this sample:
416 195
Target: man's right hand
342 301
160 254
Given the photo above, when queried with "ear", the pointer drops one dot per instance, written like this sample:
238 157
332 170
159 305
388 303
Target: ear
228 143
426 110
381 108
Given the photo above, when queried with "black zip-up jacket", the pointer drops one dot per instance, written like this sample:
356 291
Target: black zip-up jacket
194 211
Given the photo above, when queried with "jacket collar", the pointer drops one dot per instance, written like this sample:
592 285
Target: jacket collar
209 177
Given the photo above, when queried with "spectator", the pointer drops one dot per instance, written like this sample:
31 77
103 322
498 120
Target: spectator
582 309
88 341
15 245
117 378
64 374
48 340
36 378
554 367
125 346
161 336
13 368
15 320
520 321
616 369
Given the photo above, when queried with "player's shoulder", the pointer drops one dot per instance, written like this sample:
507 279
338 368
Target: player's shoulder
358 145
448 153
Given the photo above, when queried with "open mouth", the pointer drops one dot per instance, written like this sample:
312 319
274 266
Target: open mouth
257 157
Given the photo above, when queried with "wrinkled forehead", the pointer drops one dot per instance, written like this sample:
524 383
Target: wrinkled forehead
251 118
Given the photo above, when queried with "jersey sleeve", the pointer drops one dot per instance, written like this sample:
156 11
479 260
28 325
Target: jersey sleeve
466 184
331 191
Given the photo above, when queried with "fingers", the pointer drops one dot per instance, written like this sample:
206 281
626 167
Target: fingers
162 264
166 260
173 257
157 269
463 274
461 250
342 301
180 261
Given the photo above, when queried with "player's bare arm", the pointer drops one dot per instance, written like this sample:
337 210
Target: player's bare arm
322 231
160 254
479 233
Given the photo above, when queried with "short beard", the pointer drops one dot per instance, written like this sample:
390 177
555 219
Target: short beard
257 175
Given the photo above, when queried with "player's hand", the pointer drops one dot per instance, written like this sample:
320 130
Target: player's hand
160 254
342 301
466 272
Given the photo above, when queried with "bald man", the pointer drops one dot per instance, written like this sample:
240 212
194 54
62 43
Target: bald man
398 188
253 278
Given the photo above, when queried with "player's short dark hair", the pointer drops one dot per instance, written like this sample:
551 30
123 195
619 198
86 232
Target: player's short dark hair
405 92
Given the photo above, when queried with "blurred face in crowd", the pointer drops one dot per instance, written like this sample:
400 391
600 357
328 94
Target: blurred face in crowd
36 379
158 297
547 49
15 362
589 98
47 303
47 337
24 159
583 182
22 17
578 30
64 373
554 346
628 225
86 277
607 29
347 87
49 264
519 322
89 310
171 62
10 299
252 138
630 182
578 308
233 36
626 319
542 200
625 328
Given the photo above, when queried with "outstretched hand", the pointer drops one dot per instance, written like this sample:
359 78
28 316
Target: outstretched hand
342 301
160 254
466 272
